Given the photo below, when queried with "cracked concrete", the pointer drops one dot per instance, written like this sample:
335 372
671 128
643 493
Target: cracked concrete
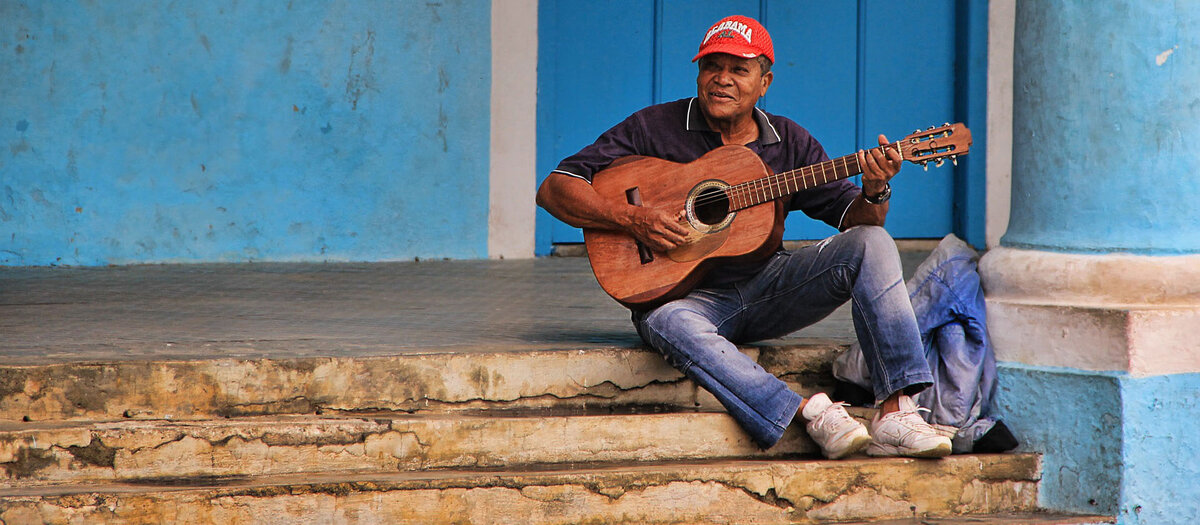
600 377
723 492
277 445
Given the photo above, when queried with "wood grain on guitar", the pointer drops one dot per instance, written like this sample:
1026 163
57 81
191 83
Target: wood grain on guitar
732 202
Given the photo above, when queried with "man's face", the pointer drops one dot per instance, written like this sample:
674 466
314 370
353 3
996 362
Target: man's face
730 86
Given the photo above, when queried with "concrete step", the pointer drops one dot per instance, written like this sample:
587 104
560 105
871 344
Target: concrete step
1023 518
524 378
47 453
744 492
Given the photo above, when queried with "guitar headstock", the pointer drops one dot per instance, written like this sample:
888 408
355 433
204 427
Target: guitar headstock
936 144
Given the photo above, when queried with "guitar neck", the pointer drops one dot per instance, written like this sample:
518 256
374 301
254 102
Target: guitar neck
772 187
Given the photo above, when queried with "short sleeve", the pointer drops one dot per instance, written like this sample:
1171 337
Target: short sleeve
621 140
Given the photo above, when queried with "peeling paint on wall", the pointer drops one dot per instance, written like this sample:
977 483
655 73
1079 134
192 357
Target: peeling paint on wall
1162 57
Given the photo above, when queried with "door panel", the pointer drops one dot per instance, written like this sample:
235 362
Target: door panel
908 82
846 71
596 66
816 82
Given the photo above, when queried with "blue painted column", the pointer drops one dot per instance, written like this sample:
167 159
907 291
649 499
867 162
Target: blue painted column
1094 293
1105 120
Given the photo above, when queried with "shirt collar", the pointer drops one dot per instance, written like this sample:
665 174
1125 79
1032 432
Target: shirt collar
766 131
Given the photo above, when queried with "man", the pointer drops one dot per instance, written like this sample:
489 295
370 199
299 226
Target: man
744 302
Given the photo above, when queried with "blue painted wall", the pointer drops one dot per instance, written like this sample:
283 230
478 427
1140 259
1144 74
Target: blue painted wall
1112 444
1161 463
134 132
1073 419
1106 127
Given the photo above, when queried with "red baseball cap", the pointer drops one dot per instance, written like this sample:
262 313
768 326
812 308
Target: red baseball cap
739 36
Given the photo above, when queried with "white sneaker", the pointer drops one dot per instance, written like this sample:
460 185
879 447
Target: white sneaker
838 434
905 433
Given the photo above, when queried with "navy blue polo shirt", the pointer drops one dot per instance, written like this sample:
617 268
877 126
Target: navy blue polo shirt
677 131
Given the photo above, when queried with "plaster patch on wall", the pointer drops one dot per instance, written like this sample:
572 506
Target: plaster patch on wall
360 78
1162 57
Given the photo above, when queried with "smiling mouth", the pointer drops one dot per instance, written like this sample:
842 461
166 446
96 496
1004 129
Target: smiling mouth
716 95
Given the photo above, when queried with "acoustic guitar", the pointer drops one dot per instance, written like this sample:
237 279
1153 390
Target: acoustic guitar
732 203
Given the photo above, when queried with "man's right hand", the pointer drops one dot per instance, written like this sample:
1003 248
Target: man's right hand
661 230
573 201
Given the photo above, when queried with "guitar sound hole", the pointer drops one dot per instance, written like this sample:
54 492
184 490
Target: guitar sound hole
711 206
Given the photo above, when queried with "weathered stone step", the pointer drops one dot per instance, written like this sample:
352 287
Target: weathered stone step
744 492
33 454
1023 518
605 377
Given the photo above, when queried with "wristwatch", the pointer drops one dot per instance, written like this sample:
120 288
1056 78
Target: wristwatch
882 197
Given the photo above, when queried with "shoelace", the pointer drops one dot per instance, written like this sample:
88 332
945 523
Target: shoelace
834 418
913 418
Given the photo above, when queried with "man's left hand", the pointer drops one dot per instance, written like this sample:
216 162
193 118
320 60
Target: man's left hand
878 167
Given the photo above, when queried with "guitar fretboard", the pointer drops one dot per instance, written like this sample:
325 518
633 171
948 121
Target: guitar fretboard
772 187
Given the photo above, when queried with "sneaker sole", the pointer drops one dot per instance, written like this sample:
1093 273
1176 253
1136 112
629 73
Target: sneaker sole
877 450
860 442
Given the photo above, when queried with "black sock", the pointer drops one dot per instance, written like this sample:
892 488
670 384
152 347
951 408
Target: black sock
852 394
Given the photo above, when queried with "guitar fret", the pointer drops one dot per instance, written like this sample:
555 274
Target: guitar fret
755 192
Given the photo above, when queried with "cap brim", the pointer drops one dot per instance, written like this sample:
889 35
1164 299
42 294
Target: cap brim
736 50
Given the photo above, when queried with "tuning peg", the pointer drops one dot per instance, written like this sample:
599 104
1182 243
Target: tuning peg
946 124
954 159
925 165
932 127
940 162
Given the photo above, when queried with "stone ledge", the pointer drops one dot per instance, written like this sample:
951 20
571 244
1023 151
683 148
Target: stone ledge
1137 341
34 455
594 377
1107 280
719 492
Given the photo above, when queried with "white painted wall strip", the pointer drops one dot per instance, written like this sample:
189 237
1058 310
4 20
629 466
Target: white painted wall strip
513 150
1002 16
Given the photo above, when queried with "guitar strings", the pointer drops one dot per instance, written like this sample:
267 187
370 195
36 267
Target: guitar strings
748 192
797 177
794 177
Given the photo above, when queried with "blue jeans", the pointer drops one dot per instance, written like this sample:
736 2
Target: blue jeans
952 315
698 334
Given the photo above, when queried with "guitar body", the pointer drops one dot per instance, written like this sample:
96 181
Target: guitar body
639 279
734 209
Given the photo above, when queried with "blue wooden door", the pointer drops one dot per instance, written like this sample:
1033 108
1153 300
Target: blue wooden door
847 71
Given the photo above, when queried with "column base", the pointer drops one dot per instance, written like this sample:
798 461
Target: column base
1099 372
1121 313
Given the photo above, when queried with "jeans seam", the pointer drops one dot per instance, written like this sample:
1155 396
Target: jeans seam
870 329
691 363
